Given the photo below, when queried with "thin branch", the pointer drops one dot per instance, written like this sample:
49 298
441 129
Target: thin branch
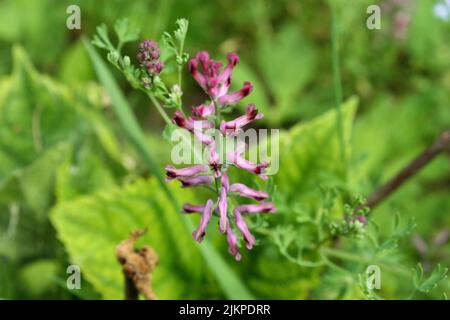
131 292
441 144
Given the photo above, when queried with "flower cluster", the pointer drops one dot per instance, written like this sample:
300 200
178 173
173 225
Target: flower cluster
148 57
216 81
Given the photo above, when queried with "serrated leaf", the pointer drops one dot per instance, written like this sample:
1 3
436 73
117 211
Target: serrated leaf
91 227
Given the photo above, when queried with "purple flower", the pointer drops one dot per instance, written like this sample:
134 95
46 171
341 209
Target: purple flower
239 122
193 208
203 138
195 181
236 96
256 168
190 124
214 161
207 77
264 207
172 172
148 49
401 23
216 81
247 192
362 219
233 247
203 110
225 75
242 226
222 206
199 233
154 66
148 57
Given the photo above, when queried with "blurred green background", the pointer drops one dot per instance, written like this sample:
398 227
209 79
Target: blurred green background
72 187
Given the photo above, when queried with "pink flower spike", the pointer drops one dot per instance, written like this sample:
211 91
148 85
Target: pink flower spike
247 192
242 226
233 248
225 75
256 168
203 138
265 207
203 111
193 69
207 78
195 181
222 206
148 57
199 233
172 172
190 124
224 78
214 161
236 96
225 182
239 122
193 208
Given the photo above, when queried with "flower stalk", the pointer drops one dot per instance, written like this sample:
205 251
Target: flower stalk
215 82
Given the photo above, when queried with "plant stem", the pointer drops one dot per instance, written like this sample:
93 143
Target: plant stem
441 144
131 292
216 181
180 66
159 108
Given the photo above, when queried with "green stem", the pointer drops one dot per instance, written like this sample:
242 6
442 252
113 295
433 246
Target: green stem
159 108
216 180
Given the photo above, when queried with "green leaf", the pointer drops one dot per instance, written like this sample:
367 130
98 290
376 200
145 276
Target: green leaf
124 32
101 39
82 173
309 154
43 125
181 31
39 120
37 180
91 227
438 274
37 277
309 158
36 114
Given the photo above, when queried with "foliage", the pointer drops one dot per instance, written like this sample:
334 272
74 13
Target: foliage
81 151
